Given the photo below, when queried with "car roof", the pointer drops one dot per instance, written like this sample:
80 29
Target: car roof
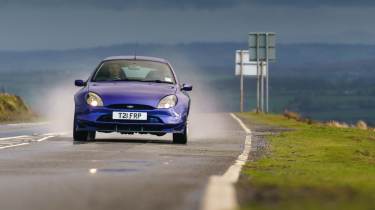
135 57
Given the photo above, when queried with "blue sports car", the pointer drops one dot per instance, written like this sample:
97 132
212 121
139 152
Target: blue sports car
132 94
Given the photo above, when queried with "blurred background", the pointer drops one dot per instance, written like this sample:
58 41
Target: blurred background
325 51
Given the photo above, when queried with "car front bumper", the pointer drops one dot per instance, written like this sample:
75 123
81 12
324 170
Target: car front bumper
158 121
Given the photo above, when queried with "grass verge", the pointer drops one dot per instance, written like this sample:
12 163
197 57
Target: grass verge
13 109
310 167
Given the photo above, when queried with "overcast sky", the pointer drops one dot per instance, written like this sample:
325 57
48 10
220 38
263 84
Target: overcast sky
64 24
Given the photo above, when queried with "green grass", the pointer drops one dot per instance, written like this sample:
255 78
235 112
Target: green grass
312 167
12 108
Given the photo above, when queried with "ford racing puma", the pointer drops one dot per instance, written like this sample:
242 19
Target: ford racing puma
132 94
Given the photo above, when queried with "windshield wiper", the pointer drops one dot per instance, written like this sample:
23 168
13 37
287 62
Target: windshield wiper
113 80
121 80
135 80
157 81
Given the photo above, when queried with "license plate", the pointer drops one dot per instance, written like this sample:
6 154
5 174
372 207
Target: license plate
129 115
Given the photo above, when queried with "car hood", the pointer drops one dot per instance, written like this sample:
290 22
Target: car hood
143 93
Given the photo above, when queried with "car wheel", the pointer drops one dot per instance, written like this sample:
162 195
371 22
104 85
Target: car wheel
91 135
82 135
181 138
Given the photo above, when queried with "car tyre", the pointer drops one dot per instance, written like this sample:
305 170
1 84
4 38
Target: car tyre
181 138
82 135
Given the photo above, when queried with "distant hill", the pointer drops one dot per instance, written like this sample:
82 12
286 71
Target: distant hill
326 81
291 58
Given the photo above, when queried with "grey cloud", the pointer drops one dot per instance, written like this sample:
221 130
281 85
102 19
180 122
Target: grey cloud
315 3
183 4
127 4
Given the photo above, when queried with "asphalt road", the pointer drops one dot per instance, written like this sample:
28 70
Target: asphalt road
41 170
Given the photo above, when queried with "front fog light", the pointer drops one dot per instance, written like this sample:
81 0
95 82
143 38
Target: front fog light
94 100
167 102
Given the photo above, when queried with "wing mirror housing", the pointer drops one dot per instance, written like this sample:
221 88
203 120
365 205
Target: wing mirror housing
79 83
187 87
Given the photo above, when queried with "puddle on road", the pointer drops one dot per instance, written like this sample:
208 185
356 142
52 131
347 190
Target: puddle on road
113 170
142 162
129 162
118 170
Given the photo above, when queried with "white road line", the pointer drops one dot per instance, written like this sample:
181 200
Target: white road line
233 172
220 193
14 140
26 124
247 130
13 137
56 133
44 138
14 145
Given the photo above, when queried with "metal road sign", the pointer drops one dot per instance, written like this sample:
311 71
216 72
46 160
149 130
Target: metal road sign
255 62
262 48
258 44
248 68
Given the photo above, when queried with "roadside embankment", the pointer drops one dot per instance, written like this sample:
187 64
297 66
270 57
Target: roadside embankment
302 165
14 109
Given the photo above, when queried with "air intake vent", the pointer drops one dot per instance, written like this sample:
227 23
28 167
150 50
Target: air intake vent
108 118
131 106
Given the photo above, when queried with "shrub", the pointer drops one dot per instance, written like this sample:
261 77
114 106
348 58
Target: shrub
361 125
337 124
292 115
13 108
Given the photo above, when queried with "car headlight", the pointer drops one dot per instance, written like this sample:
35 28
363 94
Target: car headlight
94 100
167 102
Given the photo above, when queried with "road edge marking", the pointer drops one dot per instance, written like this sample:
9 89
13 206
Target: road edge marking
220 193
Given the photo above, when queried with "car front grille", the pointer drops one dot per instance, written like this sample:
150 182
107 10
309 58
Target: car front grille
130 106
108 118
144 128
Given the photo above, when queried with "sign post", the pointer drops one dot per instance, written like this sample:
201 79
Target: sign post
258 73
241 82
267 79
246 68
262 48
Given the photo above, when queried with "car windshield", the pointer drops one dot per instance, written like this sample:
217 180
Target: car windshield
134 70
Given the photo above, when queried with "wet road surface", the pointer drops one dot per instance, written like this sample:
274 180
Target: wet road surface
115 171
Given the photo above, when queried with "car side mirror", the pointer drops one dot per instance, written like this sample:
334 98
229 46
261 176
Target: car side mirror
187 87
79 83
